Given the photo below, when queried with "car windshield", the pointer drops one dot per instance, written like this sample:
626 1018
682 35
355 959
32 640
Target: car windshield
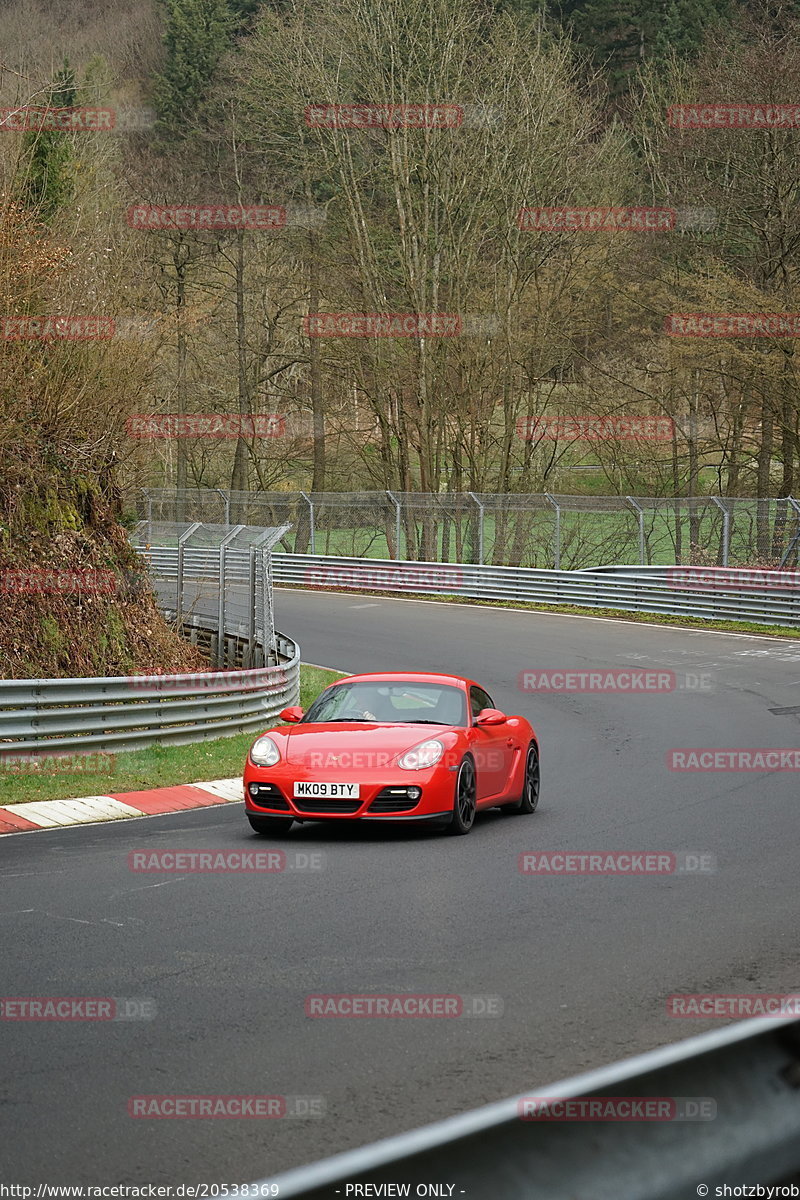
397 702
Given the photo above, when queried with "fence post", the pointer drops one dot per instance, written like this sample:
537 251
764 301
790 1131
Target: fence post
251 608
640 514
795 538
481 510
226 500
396 503
726 530
150 519
179 600
266 606
556 532
310 504
223 555
223 562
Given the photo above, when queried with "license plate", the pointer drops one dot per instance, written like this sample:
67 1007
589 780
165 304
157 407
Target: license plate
326 791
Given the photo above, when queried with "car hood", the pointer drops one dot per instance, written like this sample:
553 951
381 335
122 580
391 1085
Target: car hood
358 743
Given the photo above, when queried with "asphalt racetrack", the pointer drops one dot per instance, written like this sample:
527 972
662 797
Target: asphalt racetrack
583 964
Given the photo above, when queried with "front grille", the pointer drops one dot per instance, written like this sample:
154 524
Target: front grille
393 800
327 806
270 796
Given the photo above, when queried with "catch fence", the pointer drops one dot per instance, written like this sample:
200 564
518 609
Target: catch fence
542 530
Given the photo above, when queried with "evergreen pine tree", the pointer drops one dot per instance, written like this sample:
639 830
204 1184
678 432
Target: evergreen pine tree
46 176
197 34
620 34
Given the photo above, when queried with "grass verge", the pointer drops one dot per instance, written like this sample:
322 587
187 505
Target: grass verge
158 766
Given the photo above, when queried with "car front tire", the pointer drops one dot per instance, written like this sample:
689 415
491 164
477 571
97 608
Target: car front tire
464 801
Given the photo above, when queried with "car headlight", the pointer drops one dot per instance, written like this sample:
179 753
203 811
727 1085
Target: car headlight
426 754
264 752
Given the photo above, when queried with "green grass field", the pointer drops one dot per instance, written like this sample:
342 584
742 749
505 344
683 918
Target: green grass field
587 540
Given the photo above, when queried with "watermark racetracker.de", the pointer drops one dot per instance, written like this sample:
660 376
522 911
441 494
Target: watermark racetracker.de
736 1006
602 219
733 116
616 1108
400 325
731 579
226 861
474 114
402 1005
205 425
736 758
42 119
77 1008
401 577
224 1107
160 217
378 760
617 862
384 116
622 681
591 220
268 679
379 325
596 429
53 581
732 325
64 327
74 581
81 762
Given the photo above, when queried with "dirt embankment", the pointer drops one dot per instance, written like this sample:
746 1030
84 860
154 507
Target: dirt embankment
75 603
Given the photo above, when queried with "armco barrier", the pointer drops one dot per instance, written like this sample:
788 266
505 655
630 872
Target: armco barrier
767 598
57 716
770 602
745 1080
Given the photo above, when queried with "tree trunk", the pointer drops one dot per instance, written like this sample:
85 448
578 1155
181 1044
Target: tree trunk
239 472
763 476
181 455
317 405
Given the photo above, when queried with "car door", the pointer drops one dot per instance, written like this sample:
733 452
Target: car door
489 746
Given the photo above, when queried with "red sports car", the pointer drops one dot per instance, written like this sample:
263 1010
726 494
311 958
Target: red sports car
393 747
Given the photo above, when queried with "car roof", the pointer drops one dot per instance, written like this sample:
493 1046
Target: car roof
408 677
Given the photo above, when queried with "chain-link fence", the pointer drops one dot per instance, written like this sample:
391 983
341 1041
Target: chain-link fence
217 571
528 530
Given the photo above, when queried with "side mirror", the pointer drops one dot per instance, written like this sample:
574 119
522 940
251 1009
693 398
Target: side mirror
292 714
491 716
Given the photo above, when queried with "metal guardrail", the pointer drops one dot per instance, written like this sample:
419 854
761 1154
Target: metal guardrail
197 564
748 1074
637 592
775 601
60 716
